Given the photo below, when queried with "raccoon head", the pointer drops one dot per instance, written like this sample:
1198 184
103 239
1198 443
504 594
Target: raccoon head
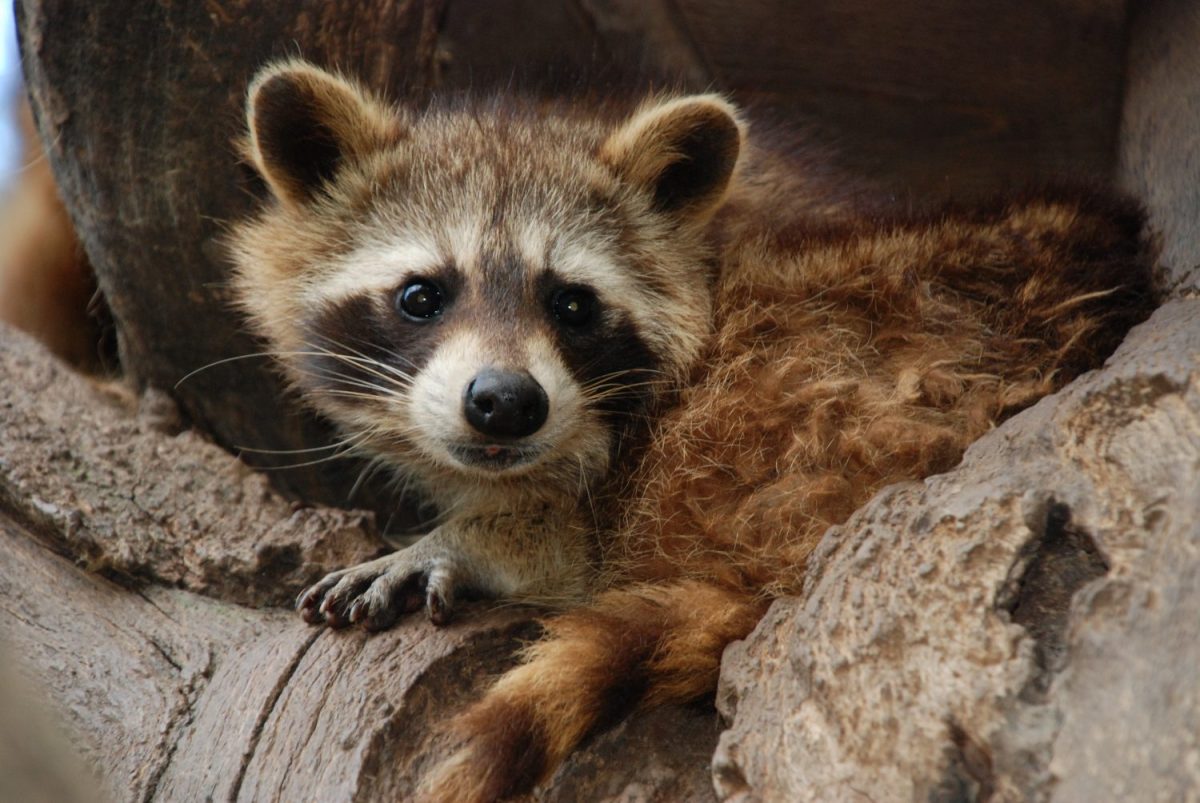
493 289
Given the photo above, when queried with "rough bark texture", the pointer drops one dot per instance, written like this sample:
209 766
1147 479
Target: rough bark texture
1024 627
116 486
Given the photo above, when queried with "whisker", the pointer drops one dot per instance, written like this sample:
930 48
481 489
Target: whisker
625 372
616 388
328 458
349 394
369 470
370 365
345 447
254 450
358 360
372 360
215 363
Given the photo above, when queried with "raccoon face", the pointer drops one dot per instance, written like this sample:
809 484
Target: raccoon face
498 289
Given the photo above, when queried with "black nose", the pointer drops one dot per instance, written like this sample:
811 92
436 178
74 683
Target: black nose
505 404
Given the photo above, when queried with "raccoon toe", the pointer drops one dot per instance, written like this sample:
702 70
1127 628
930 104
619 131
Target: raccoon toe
338 599
403 589
399 592
376 594
311 600
391 595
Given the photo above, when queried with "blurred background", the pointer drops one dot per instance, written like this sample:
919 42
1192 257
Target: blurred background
46 284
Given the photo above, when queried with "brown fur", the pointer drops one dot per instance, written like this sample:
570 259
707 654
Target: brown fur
803 356
847 360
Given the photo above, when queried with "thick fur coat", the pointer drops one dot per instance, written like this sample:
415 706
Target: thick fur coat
780 359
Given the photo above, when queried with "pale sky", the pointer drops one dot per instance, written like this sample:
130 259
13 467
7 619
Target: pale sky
9 68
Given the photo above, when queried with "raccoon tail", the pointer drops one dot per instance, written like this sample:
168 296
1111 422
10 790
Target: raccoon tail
636 646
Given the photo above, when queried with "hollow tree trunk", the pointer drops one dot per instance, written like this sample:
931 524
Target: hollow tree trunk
1024 627
139 104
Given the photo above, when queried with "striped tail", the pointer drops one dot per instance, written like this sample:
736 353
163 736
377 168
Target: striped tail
644 645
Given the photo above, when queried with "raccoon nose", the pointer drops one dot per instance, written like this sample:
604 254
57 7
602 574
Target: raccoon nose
505 404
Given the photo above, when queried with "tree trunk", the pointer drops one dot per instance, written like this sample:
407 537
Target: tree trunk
1024 627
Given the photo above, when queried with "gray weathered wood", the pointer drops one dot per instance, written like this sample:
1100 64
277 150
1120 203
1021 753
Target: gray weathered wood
109 480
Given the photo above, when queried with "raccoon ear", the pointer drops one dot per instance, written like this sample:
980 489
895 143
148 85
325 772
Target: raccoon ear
683 151
305 123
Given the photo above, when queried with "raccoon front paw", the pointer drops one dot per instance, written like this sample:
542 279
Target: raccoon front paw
377 593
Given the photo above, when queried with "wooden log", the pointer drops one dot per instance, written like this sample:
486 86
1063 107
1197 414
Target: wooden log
139 107
110 481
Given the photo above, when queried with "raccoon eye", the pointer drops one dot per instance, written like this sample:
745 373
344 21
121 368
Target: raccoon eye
420 298
573 306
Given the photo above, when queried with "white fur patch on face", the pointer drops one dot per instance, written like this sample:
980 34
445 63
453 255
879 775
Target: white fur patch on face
373 267
566 401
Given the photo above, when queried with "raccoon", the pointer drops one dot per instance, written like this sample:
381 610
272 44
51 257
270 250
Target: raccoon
639 362
489 298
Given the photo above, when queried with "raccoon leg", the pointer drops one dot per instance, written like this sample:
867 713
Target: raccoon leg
534 556
642 645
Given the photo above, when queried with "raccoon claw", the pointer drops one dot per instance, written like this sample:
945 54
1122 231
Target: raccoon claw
374 595
439 598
